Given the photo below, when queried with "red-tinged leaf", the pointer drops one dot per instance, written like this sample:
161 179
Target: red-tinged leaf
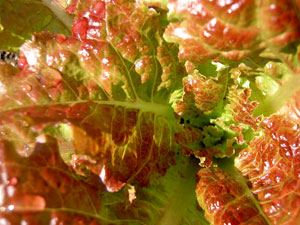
232 30
162 202
272 164
224 199
126 145
125 60
119 144
72 7
292 108
106 95
201 144
189 139
280 24
7 69
42 189
89 83
212 28
189 136
79 29
201 94
241 107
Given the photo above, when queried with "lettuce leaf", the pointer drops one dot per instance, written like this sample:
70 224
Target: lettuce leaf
107 94
20 19
208 30
224 199
272 165
42 189
122 111
115 99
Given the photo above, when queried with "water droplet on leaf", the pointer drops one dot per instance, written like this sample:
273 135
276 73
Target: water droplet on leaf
27 149
10 207
26 88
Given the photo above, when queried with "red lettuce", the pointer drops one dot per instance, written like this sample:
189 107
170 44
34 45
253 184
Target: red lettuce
272 165
150 112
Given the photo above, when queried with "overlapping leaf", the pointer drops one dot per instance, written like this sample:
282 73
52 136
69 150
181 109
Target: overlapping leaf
20 19
108 85
201 94
205 144
105 95
272 164
162 203
224 199
105 88
242 107
208 30
42 189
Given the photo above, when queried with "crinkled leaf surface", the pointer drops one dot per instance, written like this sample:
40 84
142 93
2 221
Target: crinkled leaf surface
112 111
207 30
224 199
272 164
235 30
42 189
201 94
220 30
106 89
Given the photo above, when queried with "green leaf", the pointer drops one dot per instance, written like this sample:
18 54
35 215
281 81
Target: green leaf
114 97
105 100
115 115
170 200
20 19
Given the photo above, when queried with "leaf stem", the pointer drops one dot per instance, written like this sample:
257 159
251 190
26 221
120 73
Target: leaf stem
228 166
273 103
59 11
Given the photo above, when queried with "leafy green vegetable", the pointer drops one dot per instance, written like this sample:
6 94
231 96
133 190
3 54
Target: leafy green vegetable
20 19
150 112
